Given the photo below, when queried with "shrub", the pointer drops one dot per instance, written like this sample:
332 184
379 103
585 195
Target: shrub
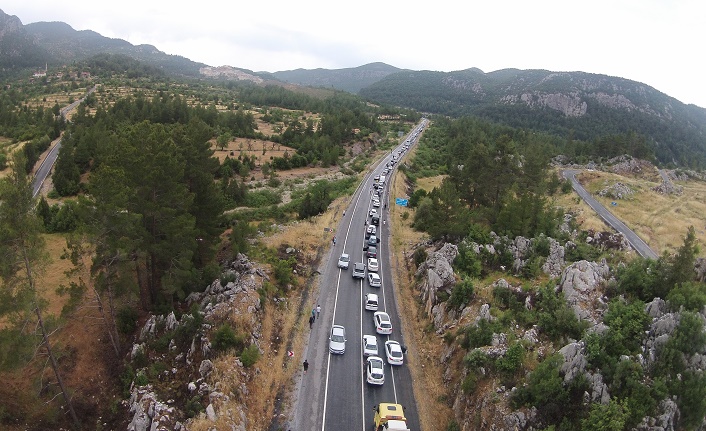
511 362
476 358
420 256
608 417
250 355
478 335
127 320
461 294
470 383
691 296
225 338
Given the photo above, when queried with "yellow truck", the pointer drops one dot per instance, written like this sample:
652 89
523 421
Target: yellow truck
390 417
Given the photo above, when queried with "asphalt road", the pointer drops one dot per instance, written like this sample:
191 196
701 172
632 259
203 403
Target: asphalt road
635 241
48 163
333 394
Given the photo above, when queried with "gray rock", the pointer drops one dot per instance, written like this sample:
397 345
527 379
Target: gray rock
555 261
664 420
211 413
484 313
574 360
149 328
171 322
206 367
656 308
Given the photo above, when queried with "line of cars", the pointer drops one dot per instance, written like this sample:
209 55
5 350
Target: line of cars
392 351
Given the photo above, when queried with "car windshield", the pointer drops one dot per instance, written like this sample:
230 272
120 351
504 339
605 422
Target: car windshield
395 352
337 338
344 258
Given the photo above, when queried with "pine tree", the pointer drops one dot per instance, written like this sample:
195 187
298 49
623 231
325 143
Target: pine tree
24 257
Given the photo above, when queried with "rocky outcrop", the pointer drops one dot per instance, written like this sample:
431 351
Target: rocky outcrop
234 294
555 261
437 274
580 283
608 240
617 191
149 413
664 420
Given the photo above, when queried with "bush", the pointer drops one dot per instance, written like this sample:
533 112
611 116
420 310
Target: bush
420 256
511 362
476 358
478 336
225 338
461 294
691 296
127 320
250 355
470 383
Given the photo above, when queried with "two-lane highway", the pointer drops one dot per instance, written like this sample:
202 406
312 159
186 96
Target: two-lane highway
635 241
334 394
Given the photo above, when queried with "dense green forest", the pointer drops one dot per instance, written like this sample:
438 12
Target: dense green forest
675 133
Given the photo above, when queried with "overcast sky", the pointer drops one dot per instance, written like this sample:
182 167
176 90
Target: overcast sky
657 42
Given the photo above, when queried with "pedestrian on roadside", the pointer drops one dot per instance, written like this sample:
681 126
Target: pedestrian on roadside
305 365
311 322
318 310
313 312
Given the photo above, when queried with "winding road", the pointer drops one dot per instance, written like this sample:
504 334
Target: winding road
635 241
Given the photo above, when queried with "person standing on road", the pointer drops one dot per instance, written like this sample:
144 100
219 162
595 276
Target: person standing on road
305 365
311 322
313 312
318 310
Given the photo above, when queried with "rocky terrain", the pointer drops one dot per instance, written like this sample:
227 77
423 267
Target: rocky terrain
189 379
584 287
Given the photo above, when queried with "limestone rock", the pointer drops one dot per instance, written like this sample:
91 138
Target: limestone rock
574 360
555 261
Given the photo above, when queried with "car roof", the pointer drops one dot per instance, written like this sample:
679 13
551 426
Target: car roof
372 296
374 275
360 265
370 337
344 254
338 329
382 315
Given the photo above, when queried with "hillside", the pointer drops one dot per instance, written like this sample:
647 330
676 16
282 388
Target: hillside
351 79
574 105
56 43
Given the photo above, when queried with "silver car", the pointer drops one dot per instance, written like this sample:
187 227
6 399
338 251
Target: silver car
337 340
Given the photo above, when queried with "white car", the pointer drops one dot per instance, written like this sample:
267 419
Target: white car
373 264
371 301
373 212
343 261
375 371
374 280
393 351
370 345
376 203
371 230
383 324
337 340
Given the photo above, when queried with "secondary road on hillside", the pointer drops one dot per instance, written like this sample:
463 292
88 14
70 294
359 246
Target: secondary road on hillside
333 394
635 241
48 163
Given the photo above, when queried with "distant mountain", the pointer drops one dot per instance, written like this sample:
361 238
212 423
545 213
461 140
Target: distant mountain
350 79
572 104
56 43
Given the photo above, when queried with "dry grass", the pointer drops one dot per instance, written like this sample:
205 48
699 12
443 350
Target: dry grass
430 182
425 348
661 220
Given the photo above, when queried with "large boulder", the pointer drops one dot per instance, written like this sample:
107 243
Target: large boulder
574 360
663 420
580 283
437 274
